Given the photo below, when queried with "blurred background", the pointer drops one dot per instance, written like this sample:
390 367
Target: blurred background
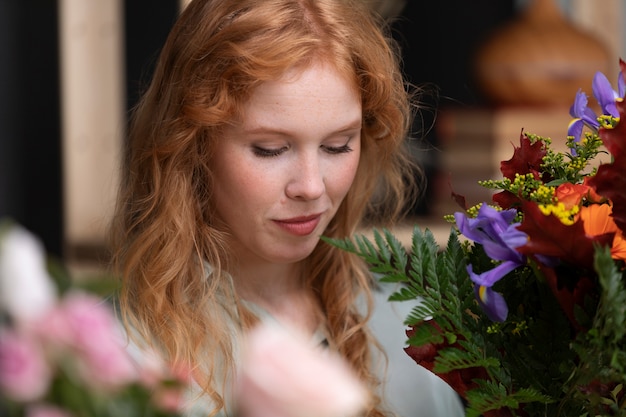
72 69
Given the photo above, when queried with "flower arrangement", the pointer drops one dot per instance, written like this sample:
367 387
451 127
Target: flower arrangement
523 312
62 351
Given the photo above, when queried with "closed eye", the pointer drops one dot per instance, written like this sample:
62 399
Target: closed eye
268 153
337 149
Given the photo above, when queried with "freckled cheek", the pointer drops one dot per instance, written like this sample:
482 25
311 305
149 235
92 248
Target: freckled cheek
343 177
256 184
251 181
239 185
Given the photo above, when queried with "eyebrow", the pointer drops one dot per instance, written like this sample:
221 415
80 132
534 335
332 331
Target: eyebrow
353 125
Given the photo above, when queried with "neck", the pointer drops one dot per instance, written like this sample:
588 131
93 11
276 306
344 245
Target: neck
281 291
267 281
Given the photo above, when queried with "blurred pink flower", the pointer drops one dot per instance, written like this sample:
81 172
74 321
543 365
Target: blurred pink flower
49 343
283 376
24 372
170 397
85 325
153 371
151 366
45 410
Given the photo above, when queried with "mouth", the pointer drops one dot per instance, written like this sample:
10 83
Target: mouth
300 226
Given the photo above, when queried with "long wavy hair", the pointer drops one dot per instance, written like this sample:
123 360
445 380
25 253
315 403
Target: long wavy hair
165 229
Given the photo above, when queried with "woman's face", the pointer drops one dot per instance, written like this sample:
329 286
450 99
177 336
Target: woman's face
282 172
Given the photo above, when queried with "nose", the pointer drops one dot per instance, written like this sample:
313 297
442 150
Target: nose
307 180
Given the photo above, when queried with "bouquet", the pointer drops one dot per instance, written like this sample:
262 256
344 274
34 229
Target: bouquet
62 351
523 312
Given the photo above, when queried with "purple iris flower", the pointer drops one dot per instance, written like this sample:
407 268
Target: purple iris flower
606 98
492 303
582 116
495 230
498 234
604 93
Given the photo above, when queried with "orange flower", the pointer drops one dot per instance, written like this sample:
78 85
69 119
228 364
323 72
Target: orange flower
597 220
571 195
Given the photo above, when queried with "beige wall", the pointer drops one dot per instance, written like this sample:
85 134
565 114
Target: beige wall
92 91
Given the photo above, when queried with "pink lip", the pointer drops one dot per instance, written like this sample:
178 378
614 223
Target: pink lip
300 226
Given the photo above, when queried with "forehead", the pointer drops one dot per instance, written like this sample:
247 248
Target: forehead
303 97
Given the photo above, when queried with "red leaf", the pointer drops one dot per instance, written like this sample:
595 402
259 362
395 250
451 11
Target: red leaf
548 236
526 158
460 380
459 199
506 199
610 181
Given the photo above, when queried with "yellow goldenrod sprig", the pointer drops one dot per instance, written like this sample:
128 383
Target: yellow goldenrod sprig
567 217
608 121
523 185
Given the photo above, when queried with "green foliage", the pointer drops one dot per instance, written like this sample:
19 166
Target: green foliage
602 349
492 396
530 362
571 167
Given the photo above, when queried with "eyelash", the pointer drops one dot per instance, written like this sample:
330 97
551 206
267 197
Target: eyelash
268 153
334 150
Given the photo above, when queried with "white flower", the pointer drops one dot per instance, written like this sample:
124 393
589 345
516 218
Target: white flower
26 289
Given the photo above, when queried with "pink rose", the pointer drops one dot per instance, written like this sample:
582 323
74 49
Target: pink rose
283 376
24 372
99 339
86 326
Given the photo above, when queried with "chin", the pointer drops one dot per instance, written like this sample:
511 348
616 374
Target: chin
290 255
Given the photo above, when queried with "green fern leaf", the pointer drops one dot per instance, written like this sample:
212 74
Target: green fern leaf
450 359
492 396
398 251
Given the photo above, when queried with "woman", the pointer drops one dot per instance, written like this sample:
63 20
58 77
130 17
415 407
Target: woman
267 124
